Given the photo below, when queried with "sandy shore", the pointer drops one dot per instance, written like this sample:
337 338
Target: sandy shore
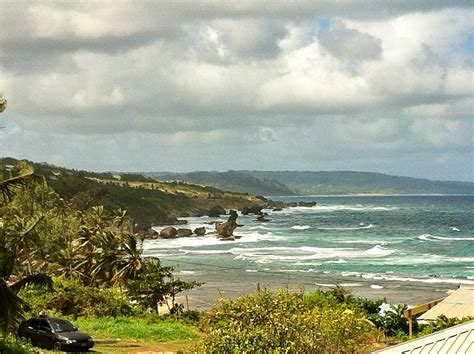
235 285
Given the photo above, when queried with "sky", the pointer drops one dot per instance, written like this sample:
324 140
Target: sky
383 86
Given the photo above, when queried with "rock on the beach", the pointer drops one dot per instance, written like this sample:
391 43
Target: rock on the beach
216 211
168 232
184 232
200 231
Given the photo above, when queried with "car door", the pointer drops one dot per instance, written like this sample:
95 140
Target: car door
45 334
30 330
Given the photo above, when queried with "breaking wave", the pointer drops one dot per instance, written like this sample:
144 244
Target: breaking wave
428 237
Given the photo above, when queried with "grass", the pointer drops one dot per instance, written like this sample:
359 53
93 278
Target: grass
138 328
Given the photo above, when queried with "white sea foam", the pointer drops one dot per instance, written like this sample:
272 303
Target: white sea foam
339 261
347 228
332 208
187 272
301 227
379 251
375 286
421 280
194 241
452 228
428 237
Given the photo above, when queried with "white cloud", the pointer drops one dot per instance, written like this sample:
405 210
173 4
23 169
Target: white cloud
387 81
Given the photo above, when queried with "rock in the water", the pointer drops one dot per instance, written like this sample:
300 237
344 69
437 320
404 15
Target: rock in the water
226 229
306 204
184 232
216 211
151 234
254 209
230 238
169 232
277 209
200 231
262 218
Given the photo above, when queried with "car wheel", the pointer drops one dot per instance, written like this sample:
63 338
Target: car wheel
57 346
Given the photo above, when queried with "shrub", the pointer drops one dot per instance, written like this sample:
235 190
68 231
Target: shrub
69 298
283 322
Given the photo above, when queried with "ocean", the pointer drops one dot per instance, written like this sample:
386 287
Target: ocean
349 240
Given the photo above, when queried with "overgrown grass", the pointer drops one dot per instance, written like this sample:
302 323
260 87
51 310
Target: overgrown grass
148 328
14 346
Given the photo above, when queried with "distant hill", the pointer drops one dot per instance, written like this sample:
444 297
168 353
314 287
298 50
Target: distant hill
147 201
316 182
237 181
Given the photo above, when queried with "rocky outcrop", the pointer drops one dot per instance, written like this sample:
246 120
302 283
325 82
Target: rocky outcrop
169 232
184 232
261 217
307 204
216 211
151 234
200 231
277 209
226 230
254 209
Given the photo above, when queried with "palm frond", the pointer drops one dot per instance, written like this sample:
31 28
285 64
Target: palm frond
42 280
12 307
9 186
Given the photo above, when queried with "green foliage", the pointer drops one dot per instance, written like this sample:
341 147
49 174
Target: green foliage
283 322
15 346
156 284
69 298
442 322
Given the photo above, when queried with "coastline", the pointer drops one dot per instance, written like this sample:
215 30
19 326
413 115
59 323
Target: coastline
232 285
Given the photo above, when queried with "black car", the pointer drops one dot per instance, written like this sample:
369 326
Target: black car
55 333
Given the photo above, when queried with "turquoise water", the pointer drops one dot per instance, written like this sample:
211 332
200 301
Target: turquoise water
399 238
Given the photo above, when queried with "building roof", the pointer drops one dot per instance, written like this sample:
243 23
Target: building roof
456 339
457 305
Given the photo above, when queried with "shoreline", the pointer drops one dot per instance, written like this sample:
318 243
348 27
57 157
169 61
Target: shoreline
229 286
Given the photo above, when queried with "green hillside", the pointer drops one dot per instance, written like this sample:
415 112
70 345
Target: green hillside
349 182
147 201
237 181
316 182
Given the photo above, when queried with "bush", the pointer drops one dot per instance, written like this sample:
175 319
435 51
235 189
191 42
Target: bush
15 346
283 322
69 298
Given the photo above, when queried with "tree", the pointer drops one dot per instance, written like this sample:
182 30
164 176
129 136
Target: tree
13 241
156 284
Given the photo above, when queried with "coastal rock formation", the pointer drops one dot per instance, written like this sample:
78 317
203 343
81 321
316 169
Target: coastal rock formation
151 234
306 204
254 209
277 209
184 232
216 211
261 218
226 230
169 232
200 231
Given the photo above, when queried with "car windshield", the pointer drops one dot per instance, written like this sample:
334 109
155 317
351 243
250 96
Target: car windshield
62 326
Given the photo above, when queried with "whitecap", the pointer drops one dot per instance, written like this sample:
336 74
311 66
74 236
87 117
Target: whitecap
187 272
428 237
301 227
251 270
379 251
452 228
421 280
375 286
347 228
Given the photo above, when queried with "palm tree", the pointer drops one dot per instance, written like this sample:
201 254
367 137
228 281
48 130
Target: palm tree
11 305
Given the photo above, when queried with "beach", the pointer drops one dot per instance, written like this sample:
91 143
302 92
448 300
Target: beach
408 249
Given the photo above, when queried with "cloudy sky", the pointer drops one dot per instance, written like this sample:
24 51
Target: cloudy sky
383 86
